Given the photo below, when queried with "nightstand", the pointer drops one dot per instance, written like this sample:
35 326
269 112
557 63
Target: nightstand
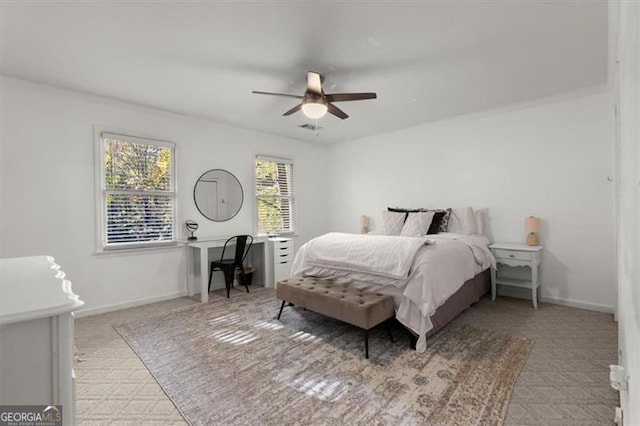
517 255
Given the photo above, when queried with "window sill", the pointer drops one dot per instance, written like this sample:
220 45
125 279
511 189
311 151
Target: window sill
138 250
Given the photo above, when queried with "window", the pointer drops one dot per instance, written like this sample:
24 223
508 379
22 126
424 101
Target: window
274 195
137 179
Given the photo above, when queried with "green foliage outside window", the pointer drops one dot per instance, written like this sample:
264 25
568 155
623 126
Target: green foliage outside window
274 194
138 192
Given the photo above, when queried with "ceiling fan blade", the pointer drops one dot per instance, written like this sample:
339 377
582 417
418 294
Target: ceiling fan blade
276 94
314 82
336 111
342 97
294 109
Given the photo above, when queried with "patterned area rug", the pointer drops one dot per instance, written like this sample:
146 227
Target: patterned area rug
230 362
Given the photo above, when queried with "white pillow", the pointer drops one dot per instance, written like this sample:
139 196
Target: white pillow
417 224
393 222
462 221
481 221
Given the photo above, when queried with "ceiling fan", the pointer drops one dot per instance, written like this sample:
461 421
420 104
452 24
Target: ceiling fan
315 103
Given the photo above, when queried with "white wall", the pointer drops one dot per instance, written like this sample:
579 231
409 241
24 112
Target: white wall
48 192
628 212
551 160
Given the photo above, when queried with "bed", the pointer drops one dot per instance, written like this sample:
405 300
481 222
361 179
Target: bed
432 278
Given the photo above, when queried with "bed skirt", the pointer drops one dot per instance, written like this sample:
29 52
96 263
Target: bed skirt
470 292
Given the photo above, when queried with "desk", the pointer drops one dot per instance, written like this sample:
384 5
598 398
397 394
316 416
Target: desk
198 263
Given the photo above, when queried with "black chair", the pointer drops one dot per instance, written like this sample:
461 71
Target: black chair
229 266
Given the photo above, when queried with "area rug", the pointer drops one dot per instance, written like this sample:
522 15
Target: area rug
230 362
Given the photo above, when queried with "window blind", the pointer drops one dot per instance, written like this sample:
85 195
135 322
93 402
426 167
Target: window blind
138 191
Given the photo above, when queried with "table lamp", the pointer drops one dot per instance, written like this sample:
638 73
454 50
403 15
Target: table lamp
191 227
364 224
532 225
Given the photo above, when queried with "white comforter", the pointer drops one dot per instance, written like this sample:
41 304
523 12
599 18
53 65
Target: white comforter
386 256
421 273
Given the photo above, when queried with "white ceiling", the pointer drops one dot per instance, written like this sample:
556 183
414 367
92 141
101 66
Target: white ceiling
426 60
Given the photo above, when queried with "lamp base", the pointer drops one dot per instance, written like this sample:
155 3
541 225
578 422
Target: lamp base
192 238
532 239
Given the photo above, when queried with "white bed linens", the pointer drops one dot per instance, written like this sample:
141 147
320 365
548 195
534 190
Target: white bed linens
387 256
436 270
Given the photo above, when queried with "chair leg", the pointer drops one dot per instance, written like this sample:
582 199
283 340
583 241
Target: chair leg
228 280
243 278
210 276
366 344
281 307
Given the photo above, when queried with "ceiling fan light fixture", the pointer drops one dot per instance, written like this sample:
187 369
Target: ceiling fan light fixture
314 110
315 103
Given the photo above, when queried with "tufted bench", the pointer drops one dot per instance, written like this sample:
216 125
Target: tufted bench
357 307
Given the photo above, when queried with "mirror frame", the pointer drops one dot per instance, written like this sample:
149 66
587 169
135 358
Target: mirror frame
195 201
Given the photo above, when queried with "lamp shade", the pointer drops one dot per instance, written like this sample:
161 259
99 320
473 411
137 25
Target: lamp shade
532 224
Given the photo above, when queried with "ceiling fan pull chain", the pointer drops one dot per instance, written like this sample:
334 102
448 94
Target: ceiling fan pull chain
317 128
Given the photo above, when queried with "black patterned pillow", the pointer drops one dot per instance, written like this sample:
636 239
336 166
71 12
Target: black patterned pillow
444 223
435 223
442 217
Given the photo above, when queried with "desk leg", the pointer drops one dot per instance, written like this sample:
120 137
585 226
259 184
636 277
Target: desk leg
190 268
204 274
191 271
493 284
534 285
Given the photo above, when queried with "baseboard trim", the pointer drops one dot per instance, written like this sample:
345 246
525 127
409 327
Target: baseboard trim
578 304
130 304
526 294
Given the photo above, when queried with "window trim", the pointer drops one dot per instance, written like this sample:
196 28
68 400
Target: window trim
100 212
277 159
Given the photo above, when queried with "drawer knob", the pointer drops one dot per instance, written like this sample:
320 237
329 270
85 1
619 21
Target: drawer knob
512 255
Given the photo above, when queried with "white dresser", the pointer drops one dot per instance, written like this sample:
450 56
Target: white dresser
36 334
281 257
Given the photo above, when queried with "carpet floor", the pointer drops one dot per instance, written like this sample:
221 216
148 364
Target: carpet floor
564 380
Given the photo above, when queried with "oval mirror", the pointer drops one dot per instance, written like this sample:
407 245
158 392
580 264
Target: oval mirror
218 195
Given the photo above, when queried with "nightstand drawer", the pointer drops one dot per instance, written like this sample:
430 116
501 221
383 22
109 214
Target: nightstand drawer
512 254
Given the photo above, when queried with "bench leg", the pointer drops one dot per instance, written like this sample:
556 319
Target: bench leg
281 307
366 344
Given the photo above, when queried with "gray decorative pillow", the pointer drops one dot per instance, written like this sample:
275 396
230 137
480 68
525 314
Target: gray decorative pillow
393 222
417 224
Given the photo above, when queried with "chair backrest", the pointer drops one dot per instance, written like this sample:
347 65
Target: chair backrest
242 248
